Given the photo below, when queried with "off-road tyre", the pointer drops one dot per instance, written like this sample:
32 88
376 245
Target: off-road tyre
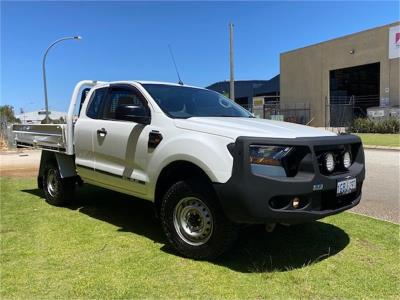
223 232
57 191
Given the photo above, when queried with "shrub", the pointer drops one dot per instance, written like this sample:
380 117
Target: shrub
387 125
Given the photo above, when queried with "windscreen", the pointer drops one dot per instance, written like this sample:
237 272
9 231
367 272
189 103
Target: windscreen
185 102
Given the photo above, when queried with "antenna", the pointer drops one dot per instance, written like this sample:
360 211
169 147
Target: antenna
176 68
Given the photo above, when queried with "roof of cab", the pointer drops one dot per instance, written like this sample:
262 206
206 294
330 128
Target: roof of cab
147 82
166 83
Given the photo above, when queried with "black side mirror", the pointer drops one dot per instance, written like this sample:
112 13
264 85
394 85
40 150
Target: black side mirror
134 113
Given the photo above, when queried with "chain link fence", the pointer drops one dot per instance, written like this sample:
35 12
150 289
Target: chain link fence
299 113
5 135
341 111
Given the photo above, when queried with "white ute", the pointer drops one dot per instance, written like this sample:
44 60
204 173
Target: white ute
206 163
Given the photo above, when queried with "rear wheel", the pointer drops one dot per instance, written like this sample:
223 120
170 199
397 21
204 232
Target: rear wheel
193 221
58 191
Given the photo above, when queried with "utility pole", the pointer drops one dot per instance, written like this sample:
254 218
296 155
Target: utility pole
232 71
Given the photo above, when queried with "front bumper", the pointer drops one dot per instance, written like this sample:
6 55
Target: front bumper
250 198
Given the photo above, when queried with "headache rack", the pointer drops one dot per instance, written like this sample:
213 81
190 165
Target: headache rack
52 137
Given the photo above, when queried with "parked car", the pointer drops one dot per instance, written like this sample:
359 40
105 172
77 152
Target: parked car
206 163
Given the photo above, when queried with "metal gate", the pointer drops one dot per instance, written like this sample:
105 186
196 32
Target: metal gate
299 113
340 111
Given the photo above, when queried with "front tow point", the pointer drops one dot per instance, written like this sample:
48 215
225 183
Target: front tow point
269 227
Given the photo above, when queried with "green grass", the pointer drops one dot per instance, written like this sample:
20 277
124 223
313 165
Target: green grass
378 139
110 246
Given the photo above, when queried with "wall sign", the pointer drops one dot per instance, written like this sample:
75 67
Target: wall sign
384 102
258 107
394 42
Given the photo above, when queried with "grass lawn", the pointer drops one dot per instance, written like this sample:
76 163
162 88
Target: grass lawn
379 139
110 246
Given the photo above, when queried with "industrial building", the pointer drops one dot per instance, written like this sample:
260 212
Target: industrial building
341 78
246 90
330 83
38 116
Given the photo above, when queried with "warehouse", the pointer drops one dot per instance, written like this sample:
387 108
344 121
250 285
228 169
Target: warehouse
246 90
38 116
341 78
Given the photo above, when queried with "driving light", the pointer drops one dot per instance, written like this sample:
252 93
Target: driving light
346 160
329 161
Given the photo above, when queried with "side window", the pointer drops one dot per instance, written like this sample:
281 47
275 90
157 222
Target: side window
122 96
83 98
95 102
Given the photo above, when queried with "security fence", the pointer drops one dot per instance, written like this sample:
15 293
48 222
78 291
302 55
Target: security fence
4 135
296 113
341 111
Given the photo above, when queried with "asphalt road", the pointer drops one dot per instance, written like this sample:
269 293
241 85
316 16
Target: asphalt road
381 190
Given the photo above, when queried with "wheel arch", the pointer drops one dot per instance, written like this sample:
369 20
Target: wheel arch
174 172
65 164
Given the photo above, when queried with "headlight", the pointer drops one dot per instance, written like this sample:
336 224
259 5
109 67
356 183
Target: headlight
329 162
268 155
267 160
346 160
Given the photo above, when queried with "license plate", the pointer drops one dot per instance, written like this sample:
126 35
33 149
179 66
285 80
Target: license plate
347 186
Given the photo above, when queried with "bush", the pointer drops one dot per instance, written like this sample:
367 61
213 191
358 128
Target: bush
388 125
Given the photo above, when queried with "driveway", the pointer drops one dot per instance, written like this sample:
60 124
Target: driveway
19 163
380 192
381 187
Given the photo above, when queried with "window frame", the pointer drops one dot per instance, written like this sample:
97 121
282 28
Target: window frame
92 96
107 95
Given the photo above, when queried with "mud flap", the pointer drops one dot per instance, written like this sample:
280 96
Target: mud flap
65 163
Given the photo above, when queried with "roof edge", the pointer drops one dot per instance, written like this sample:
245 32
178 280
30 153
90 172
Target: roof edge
341 37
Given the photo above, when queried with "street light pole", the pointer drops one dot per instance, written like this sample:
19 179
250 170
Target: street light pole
46 104
231 64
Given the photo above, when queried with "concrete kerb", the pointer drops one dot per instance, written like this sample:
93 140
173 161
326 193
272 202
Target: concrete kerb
376 147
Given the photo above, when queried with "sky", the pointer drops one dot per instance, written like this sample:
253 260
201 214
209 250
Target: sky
129 40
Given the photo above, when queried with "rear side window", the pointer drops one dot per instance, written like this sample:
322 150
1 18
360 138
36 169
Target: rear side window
95 103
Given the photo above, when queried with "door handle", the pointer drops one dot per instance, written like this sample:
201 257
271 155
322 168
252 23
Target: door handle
102 132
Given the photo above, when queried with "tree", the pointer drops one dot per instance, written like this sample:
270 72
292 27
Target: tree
7 115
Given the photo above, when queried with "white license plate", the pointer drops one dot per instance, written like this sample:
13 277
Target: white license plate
347 186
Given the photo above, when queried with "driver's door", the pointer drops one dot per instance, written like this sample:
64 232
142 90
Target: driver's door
120 146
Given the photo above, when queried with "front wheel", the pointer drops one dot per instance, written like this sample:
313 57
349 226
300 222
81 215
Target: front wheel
194 222
58 191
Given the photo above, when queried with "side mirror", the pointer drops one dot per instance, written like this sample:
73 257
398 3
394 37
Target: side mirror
134 113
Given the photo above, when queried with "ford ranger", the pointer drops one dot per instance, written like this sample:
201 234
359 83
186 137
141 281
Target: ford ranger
206 163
